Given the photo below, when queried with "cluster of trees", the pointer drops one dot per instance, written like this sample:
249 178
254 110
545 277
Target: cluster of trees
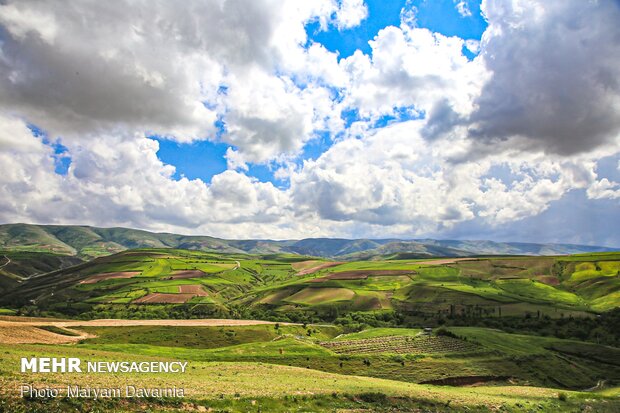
602 329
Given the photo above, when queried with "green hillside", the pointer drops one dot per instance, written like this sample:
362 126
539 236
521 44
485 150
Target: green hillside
393 370
185 283
91 242
516 333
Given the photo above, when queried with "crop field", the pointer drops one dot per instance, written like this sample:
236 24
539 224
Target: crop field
163 298
321 295
374 369
492 287
109 276
400 345
312 266
196 290
283 332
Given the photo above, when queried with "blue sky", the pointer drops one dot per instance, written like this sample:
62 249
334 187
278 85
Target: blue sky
205 159
253 122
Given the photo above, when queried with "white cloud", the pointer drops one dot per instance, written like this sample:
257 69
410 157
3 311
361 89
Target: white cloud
235 160
412 67
555 72
462 7
499 139
351 13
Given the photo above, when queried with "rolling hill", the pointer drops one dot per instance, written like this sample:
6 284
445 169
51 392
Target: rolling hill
217 283
90 242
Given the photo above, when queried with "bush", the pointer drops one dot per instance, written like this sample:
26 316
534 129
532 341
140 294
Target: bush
373 397
446 333
562 396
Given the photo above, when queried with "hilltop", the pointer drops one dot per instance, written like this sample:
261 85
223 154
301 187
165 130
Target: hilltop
89 242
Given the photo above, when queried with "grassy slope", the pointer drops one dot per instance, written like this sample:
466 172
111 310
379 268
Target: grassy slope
232 382
93 242
546 285
525 359
541 284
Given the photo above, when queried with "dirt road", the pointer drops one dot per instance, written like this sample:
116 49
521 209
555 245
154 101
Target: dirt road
16 331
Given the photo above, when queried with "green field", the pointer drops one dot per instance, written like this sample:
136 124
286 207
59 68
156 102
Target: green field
297 371
487 287
531 333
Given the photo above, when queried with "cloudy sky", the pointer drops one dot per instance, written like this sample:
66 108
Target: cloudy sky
460 119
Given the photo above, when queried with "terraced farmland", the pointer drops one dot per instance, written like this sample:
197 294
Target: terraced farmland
401 345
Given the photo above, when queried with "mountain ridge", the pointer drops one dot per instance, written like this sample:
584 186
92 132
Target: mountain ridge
89 242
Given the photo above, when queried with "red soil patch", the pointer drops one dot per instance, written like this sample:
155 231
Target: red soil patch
548 279
179 275
196 290
319 267
163 298
359 275
109 276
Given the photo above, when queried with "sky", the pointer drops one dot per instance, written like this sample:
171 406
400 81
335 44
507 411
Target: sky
448 119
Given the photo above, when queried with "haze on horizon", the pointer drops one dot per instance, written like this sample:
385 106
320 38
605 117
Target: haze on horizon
450 119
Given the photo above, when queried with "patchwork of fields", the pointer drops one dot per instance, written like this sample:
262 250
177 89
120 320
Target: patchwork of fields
320 366
485 287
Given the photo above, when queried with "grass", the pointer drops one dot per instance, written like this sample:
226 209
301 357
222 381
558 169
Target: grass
201 337
379 332
235 384
526 359
321 295
586 284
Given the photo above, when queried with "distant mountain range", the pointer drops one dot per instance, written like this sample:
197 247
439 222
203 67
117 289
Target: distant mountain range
88 242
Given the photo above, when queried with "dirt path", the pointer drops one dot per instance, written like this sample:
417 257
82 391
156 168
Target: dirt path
8 261
26 332
211 322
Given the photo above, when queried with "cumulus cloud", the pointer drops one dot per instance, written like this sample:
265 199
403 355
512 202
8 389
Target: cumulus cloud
351 13
412 67
159 68
554 76
439 143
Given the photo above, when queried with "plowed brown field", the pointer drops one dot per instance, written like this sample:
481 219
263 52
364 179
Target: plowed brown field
164 298
179 275
108 276
314 268
194 289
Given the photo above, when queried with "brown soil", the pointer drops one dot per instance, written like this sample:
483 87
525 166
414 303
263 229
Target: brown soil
548 279
179 275
23 333
108 276
359 275
316 268
206 322
163 298
196 290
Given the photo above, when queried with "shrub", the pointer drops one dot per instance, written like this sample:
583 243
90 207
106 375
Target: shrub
373 397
